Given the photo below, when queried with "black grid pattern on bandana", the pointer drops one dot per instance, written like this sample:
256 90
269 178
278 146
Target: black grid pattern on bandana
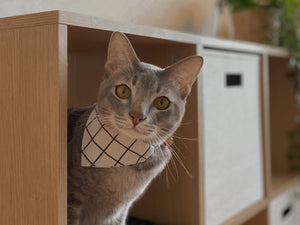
104 150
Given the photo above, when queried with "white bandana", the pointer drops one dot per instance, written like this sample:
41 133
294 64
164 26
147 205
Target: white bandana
105 148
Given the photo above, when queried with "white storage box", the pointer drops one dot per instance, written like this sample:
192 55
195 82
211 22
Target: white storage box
285 209
232 134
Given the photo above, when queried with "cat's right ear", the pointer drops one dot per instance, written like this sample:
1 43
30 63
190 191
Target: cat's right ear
121 54
184 73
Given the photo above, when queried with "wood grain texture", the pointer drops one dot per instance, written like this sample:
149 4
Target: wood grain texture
29 20
63 91
32 126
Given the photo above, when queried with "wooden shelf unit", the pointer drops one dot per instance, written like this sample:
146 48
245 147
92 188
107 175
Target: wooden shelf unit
52 60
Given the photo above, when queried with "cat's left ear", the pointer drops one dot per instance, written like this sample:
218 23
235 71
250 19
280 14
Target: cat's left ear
184 73
120 53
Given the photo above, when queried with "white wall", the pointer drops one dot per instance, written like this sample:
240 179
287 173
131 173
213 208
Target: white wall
186 15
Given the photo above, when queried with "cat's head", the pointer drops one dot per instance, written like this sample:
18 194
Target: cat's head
141 100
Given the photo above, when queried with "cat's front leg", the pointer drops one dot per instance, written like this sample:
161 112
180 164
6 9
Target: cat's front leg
124 214
73 214
121 217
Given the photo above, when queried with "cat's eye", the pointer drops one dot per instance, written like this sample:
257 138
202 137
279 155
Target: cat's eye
162 103
123 91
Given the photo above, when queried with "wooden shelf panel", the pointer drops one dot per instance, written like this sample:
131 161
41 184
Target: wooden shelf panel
248 213
282 112
33 174
261 218
282 182
243 46
79 20
87 39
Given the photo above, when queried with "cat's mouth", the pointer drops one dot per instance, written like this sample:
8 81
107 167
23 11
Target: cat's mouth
138 133
135 132
142 132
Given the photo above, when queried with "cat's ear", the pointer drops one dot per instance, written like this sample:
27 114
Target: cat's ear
184 73
120 53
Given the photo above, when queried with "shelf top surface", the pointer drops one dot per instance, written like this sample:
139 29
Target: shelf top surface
79 20
283 181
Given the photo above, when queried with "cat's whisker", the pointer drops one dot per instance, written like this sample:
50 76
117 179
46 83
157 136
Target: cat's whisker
175 167
120 118
185 146
181 163
158 138
120 121
178 151
173 163
186 123
167 177
150 126
174 153
149 130
179 136
103 109
185 138
169 171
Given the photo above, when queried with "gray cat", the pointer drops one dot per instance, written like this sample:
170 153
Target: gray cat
150 108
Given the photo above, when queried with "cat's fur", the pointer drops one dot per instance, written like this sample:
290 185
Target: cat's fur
103 196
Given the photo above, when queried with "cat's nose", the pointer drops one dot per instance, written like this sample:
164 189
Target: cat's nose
136 118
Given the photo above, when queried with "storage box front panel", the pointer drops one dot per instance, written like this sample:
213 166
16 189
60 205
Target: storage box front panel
232 134
284 209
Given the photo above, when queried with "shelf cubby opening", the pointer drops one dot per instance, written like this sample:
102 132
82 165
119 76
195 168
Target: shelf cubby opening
163 201
283 111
